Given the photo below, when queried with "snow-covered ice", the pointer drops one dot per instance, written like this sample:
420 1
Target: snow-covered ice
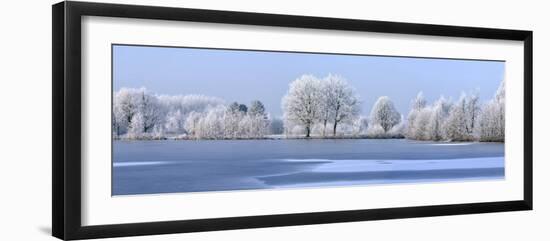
402 165
131 164
146 167
452 144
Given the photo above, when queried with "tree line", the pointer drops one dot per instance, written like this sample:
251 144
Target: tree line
312 107
311 100
464 120
312 103
138 114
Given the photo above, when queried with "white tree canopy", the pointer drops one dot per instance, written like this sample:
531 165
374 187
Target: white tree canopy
257 108
417 104
339 102
384 114
491 125
136 111
311 101
439 112
302 101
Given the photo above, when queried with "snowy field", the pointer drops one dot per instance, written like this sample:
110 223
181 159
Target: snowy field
147 167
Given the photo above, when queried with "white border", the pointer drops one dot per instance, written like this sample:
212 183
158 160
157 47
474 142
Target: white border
100 208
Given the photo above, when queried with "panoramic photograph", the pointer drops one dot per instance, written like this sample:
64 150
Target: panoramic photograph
208 120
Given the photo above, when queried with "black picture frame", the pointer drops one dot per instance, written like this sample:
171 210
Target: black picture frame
66 127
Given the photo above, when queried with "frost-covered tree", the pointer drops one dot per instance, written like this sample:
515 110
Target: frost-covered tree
301 103
439 112
136 112
233 107
119 121
462 120
255 126
125 106
324 108
472 112
236 122
151 111
417 104
398 131
421 124
456 125
211 125
491 125
175 122
206 125
426 122
419 101
500 93
178 107
257 108
339 101
384 114
191 123
360 125
158 133
314 103
136 127
232 119
257 120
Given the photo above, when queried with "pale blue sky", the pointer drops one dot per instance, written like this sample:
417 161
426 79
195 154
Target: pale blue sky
243 76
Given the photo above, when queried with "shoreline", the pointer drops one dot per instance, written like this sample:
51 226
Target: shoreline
267 138
282 137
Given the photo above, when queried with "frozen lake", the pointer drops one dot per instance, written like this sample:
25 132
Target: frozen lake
146 167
